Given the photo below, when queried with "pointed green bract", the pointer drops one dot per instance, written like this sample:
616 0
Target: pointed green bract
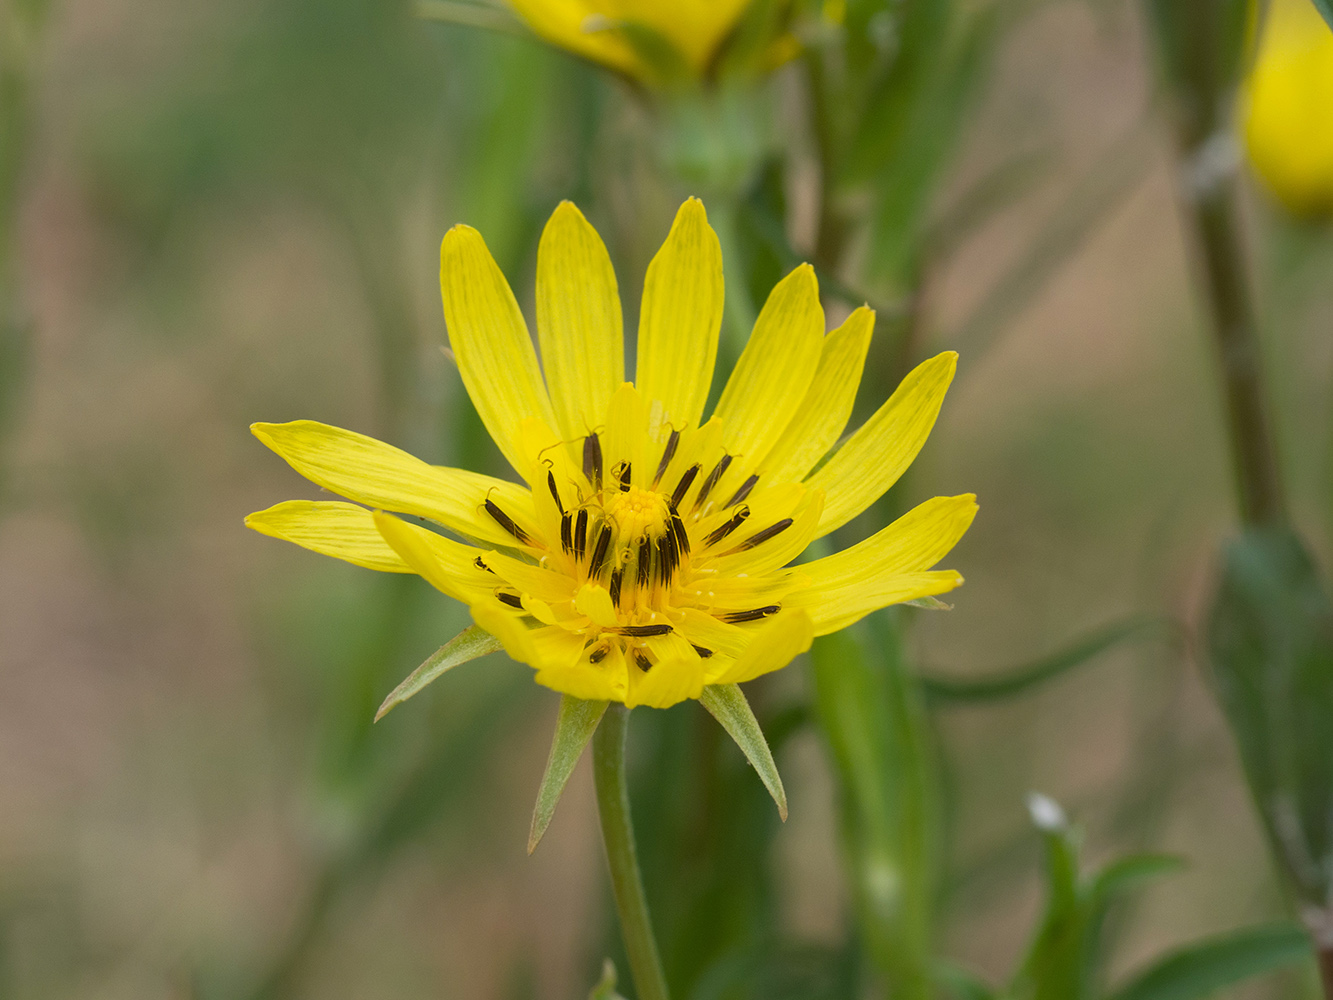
469 644
727 704
574 727
606 988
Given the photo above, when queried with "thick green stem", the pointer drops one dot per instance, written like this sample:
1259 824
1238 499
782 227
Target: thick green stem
608 761
1254 451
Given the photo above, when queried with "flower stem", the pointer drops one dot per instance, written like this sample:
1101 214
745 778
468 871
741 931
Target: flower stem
608 761
1254 451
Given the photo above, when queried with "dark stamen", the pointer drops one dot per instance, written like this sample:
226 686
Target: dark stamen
506 522
753 615
645 560
758 538
567 532
481 565
683 486
642 660
624 477
711 481
599 552
555 494
719 533
598 654
639 631
513 600
581 534
667 455
616 578
678 529
744 491
666 562
592 460
703 651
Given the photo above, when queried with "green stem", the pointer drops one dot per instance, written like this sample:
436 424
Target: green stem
608 762
1254 450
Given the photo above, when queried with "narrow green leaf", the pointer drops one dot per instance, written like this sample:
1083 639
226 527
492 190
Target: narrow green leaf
1131 872
574 727
469 644
1017 680
729 707
1202 968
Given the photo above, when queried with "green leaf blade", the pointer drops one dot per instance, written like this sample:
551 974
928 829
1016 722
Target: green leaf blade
574 726
728 705
469 644
1202 968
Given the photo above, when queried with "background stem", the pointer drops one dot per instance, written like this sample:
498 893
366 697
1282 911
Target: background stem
1254 451
608 761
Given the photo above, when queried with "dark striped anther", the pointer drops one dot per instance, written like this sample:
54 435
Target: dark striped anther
639 631
683 487
744 491
505 521
759 537
513 600
718 471
753 615
592 460
722 531
703 651
581 534
555 493
668 453
599 551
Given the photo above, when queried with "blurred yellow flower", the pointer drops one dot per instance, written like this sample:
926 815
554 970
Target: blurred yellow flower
1288 108
623 34
648 553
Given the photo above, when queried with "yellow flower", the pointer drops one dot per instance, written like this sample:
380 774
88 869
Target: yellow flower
1288 108
603 30
649 553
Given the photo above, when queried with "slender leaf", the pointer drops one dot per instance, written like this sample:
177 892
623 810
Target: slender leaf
728 705
1018 680
574 727
1202 968
469 644
1133 871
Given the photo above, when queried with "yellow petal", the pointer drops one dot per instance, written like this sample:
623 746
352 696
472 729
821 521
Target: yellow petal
543 584
702 629
578 321
823 413
602 681
595 602
446 565
879 452
786 636
775 370
380 475
490 342
677 675
887 567
342 530
680 320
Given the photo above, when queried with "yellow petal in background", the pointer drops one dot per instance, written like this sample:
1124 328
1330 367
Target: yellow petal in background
884 446
680 319
835 609
1288 108
331 528
490 341
823 413
578 321
379 475
776 368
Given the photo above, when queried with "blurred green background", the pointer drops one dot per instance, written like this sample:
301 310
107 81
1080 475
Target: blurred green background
227 212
